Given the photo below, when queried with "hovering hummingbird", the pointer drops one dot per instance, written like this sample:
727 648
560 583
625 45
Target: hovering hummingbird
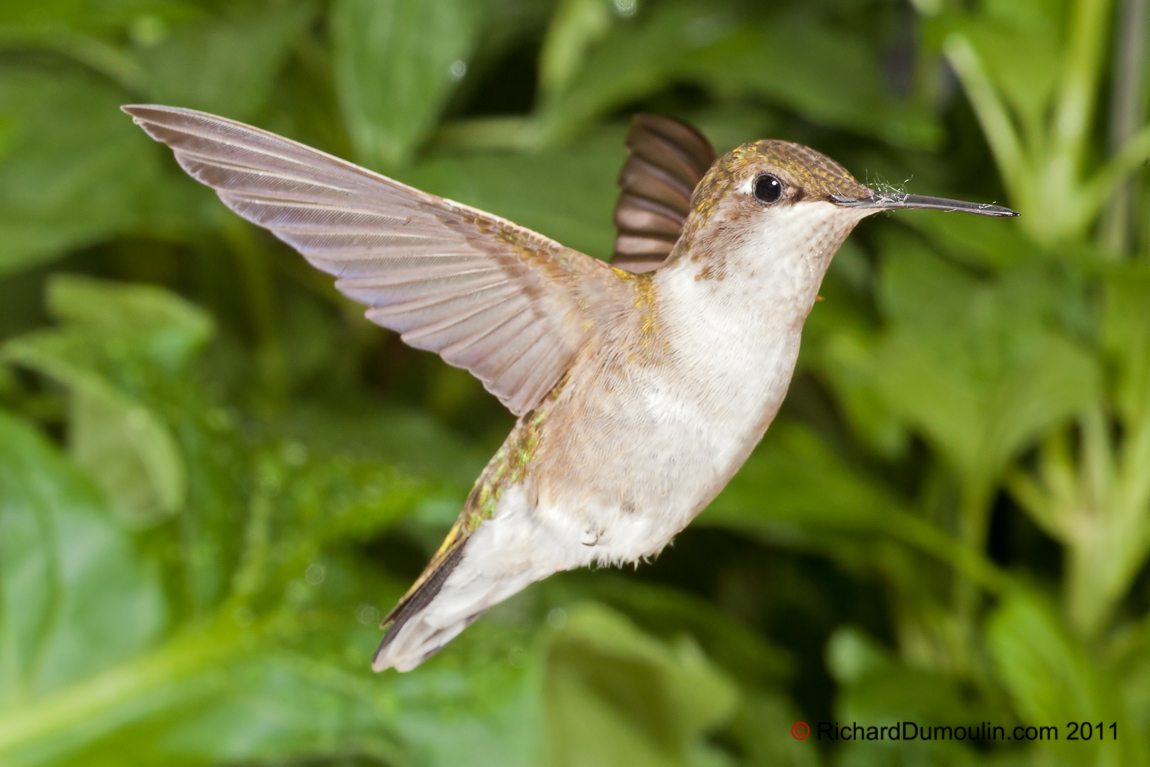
640 387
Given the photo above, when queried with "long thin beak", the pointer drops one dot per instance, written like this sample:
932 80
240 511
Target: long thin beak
900 201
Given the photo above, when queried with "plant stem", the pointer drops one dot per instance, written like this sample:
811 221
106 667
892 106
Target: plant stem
1075 105
974 516
252 571
966 562
1126 100
1132 155
992 116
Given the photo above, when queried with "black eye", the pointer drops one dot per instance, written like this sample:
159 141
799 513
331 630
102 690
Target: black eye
768 189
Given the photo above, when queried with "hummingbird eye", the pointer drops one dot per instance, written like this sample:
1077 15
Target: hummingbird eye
768 189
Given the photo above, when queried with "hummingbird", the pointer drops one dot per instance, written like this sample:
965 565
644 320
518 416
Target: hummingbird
640 386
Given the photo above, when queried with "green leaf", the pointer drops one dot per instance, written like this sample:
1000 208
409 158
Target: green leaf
852 654
794 487
795 491
271 706
839 83
977 366
75 596
861 753
1126 338
848 362
631 62
616 696
226 65
668 613
1130 664
879 697
76 171
575 26
874 694
396 63
978 241
761 727
839 340
106 19
386 433
281 690
165 329
1021 54
1053 681
129 452
479 701
127 448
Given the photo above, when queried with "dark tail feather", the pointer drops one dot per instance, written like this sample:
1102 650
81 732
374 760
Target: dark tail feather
414 602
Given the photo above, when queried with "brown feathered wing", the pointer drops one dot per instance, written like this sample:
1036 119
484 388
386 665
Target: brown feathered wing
502 301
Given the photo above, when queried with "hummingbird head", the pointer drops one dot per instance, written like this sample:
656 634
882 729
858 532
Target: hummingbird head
774 201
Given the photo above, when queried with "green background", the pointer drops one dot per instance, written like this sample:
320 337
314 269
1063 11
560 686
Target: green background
216 475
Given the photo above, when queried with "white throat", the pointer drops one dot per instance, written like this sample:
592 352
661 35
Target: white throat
761 278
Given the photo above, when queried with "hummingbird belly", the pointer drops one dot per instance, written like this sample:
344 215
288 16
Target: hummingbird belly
638 451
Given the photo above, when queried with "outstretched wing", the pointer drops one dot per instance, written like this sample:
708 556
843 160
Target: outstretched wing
666 159
507 304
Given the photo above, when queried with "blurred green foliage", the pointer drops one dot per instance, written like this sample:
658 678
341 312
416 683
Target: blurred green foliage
215 475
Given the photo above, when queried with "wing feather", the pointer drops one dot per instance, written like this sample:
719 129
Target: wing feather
408 315
666 159
460 339
375 292
506 303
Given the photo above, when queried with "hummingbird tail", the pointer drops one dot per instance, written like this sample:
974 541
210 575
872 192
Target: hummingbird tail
446 599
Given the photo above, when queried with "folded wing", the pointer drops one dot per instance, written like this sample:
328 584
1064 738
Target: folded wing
502 301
